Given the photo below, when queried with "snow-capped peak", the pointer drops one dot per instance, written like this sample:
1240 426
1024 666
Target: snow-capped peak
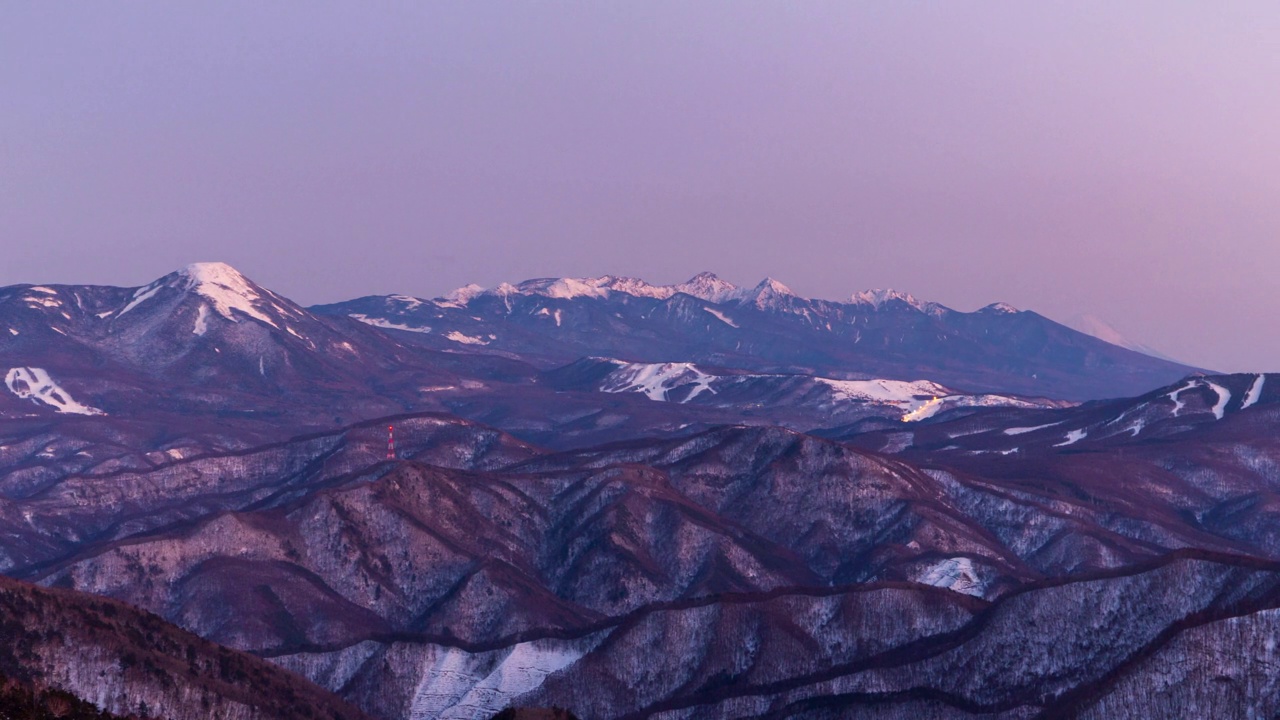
878 297
707 286
1000 307
225 289
768 293
462 295
204 274
635 286
773 286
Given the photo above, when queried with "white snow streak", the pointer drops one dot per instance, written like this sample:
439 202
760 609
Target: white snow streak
379 322
1255 392
1219 408
1224 397
1021 430
202 320
458 337
140 296
35 383
1073 437
722 317
1178 402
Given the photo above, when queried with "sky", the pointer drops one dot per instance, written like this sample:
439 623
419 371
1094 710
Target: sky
1112 159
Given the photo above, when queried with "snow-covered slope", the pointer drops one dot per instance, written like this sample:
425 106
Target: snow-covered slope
824 400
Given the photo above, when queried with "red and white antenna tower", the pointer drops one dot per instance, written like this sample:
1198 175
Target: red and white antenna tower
391 442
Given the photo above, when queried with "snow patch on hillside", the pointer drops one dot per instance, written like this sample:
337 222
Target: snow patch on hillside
387 324
458 337
202 321
140 296
35 384
1224 397
1073 437
955 574
908 396
1255 392
1021 430
1219 407
721 317
658 380
927 410
458 685
1178 402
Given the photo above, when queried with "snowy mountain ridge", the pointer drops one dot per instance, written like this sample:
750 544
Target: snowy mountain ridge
704 286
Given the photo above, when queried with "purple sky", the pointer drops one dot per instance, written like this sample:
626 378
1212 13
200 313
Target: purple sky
1117 159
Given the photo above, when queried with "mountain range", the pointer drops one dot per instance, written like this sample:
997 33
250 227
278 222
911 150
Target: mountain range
629 500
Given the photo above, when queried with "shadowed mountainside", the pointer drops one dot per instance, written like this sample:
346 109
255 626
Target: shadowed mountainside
133 663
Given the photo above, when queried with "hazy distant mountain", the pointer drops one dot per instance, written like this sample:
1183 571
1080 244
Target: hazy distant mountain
1097 327
769 329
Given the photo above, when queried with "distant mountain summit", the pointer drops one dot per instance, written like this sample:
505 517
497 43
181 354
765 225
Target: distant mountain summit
203 339
1099 328
768 328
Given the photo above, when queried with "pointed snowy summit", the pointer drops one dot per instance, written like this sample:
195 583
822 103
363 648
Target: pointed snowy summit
769 294
1000 307
708 286
880 298
219 289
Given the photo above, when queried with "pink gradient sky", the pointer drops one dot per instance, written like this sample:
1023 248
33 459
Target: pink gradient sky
1118 159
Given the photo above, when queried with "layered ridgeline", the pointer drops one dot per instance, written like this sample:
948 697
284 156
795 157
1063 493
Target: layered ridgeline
205 349
629 501
1094 561
769 329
